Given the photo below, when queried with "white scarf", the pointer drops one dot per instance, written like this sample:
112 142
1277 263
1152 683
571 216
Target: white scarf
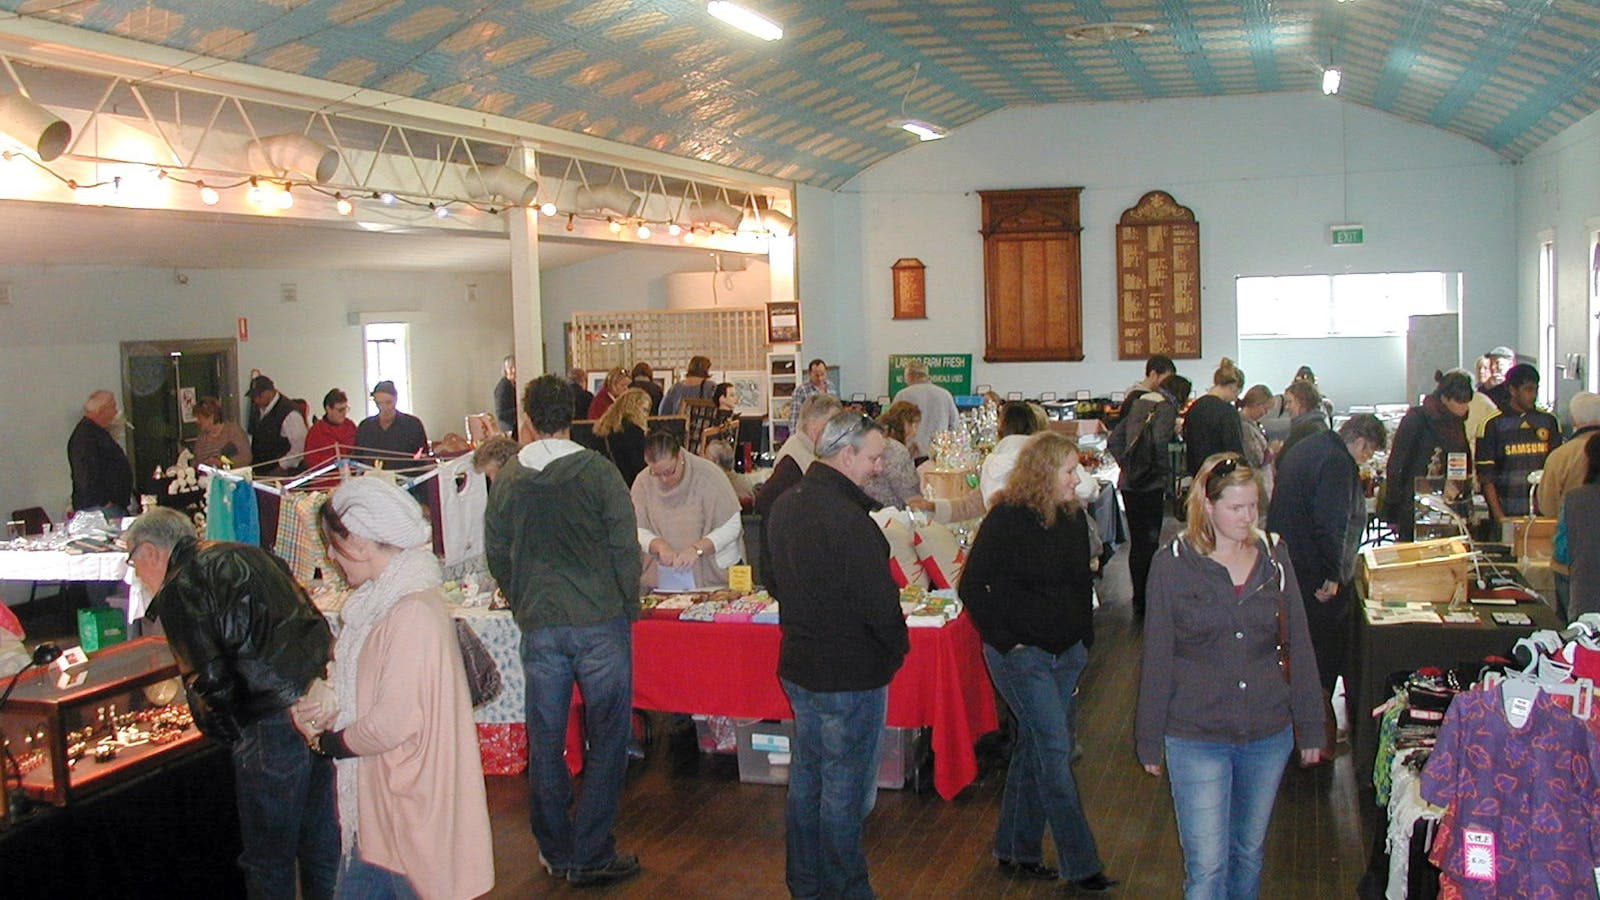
408 572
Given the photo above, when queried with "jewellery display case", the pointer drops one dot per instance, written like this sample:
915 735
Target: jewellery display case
66 735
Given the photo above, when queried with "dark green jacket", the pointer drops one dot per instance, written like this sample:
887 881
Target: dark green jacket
562 539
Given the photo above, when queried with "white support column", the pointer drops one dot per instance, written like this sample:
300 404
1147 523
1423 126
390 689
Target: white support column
527 310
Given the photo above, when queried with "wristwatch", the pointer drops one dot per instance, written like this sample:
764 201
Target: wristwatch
698 550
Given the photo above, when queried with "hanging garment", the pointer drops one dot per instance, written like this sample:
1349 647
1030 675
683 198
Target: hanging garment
246 517
463 496
219 508
300 541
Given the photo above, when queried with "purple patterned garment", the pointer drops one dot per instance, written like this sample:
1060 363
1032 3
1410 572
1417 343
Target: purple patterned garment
1532 792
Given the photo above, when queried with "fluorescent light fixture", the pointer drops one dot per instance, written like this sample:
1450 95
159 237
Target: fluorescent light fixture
745 20
923 130
1330 80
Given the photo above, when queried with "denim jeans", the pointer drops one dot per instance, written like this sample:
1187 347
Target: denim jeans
1224 794
286 812
1040 787
832 787
361 880
599 659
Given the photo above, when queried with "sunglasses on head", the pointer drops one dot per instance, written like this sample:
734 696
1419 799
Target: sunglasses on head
844 437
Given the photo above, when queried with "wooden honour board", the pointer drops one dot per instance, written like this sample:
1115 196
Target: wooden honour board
1158 280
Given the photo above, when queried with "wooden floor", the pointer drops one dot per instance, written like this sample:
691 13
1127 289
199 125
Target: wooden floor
700 833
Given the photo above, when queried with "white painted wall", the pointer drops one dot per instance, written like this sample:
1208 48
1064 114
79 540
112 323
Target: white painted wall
638 278
1349 370
59 340
1265 175
1558 191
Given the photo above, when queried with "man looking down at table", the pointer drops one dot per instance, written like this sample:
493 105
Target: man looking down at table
843 639
562 541
249 644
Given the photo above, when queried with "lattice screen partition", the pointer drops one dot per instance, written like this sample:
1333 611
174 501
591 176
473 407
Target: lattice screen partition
734 338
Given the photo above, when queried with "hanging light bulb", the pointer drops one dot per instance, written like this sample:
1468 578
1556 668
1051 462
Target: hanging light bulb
614 225
1331 77
208 194
284 199
440 212
642 232
343 204
674 229
549 209
386 198
689 236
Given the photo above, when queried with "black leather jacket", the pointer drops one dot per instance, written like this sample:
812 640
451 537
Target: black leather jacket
247 639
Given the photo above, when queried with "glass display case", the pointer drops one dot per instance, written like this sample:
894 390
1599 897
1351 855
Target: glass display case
66 735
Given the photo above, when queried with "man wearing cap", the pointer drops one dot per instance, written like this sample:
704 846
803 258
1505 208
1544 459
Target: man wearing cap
277 428
1492 395
249 644
391 432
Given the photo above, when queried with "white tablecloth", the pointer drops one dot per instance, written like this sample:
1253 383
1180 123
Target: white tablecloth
59 565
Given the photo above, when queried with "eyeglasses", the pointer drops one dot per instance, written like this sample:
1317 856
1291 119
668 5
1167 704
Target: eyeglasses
342 407
837 442
677 463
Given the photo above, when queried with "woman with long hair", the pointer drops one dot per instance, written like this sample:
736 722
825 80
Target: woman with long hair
617 381
1424 442
898 483
621 432
1028 584
412 814
1229 683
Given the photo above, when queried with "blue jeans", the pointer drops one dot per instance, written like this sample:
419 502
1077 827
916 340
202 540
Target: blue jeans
599 659
361 880
1040 787
832 787
1224 794
286 812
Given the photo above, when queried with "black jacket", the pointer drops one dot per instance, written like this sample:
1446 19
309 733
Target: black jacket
101 475
1303 426
1027 584
1423 442
267 443
1139 443
505 404
839 609
1318 509
1210 426
247 639
785 475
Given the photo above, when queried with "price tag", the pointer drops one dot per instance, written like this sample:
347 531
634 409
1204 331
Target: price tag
1478 848
70 658
739 579
1456 465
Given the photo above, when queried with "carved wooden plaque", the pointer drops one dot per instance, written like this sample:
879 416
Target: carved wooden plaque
1158 280
910 289
1032 275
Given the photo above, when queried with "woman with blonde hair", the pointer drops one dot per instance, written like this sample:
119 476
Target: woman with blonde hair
1028 585
621 432
617 381
1229 683
1211 424
898 483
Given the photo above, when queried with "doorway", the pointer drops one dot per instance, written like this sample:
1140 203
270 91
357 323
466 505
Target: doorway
161 382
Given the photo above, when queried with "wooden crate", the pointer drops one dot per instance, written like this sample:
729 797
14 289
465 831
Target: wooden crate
1530 539
1425 570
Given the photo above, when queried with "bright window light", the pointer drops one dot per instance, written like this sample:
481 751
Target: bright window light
388 359
745 20
1330 80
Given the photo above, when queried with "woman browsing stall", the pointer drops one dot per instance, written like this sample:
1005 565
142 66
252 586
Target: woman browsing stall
412 812
688 517
1028 585
1229 685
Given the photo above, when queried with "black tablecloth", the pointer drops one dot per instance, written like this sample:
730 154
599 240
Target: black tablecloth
173 832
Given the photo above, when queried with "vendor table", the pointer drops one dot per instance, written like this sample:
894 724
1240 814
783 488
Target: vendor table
59 565
1380 650
731 669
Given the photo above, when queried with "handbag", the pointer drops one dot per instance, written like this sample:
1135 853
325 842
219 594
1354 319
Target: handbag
484 683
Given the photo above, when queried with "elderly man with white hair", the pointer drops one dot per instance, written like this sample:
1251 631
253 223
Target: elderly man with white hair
1565 467
938 406
249 644
102 478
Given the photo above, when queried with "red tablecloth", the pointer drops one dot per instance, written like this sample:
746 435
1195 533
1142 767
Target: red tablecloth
728 669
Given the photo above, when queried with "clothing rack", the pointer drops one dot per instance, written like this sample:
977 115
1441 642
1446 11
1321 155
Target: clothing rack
341 465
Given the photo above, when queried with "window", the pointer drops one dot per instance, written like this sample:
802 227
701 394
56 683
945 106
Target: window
1592 351
1360 305
388 359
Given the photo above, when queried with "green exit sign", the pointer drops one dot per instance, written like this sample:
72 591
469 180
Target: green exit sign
1347 235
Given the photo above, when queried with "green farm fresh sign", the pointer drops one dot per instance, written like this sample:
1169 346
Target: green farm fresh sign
951 371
